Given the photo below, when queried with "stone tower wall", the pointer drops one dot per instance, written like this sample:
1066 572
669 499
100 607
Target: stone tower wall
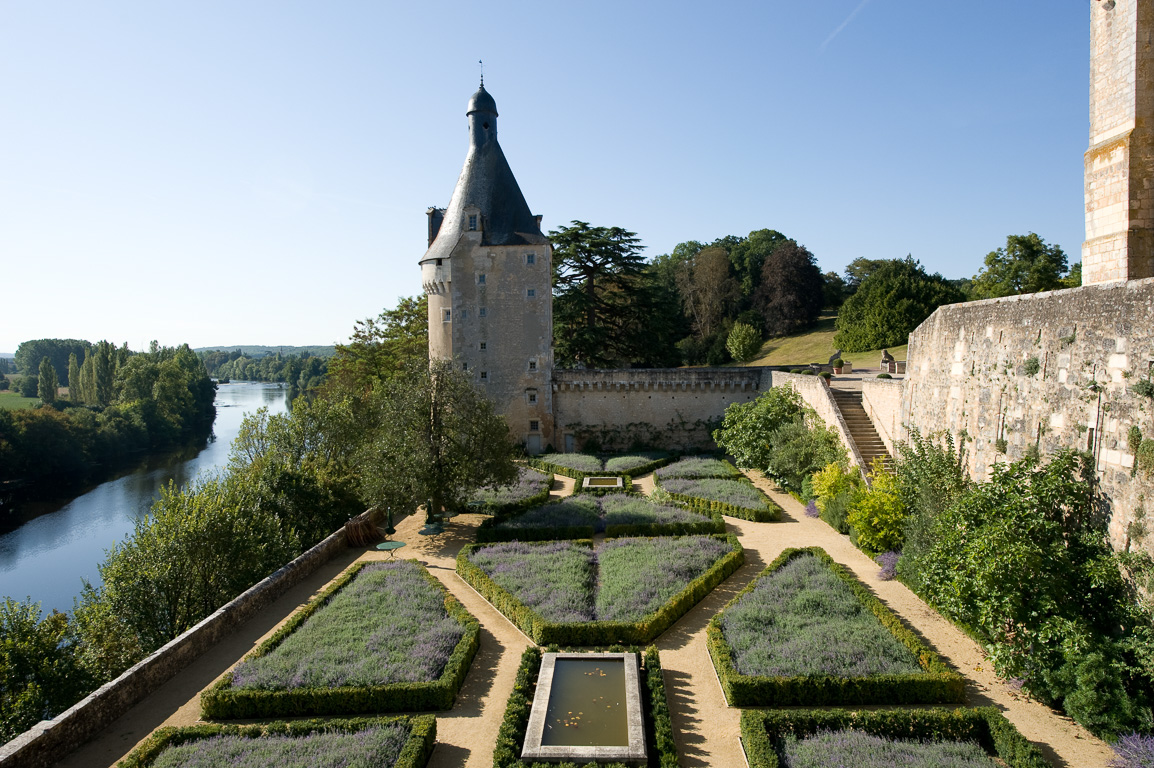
482 316
1119 179
970 370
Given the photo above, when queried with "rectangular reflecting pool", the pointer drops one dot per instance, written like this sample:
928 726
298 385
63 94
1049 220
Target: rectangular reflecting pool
587 707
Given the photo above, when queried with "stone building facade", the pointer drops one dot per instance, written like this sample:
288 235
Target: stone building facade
1120 160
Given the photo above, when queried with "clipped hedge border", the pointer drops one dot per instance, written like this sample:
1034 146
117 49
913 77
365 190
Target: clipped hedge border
770 514
588 633
762 731
733 473
579 489
414 754
577 474
512 508
488 531
222 701
658 734
937 685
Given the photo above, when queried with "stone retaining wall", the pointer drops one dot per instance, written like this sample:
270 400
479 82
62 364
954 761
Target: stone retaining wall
50 740
882 401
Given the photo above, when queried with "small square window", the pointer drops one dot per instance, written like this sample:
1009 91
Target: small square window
481 279
448 315
473 223
483 312
484 375
483 346
464 313
464 366
532 398
532 365
438 262
531 293
530 258
534 426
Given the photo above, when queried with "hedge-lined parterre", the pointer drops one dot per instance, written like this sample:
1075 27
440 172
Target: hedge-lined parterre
616 516
736 498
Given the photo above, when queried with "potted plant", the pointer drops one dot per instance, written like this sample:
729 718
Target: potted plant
837 365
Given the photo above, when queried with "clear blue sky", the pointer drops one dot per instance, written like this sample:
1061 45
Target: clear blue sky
257 172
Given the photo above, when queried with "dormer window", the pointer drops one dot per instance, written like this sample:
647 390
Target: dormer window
473 222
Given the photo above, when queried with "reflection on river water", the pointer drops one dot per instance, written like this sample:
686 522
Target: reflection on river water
64 542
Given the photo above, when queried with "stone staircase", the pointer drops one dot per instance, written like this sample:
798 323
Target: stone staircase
861 429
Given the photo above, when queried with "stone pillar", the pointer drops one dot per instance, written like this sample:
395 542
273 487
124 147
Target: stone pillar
1120 161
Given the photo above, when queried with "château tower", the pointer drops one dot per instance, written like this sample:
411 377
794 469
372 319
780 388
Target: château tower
488 276
1120 161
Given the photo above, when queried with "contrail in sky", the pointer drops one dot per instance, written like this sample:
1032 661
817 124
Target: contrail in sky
844 24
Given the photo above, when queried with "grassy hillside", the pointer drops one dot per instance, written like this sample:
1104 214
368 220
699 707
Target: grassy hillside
816 346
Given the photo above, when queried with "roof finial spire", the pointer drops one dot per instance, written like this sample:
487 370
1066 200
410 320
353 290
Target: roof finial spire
482 63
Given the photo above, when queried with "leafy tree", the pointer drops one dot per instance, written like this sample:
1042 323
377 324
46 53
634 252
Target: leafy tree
1026 265
833 289
858 270
435 438
30 353
3 382
46 385
196 550
74 379
382 347
29 385
598 273
708 291
893 300
103 373
40 675
748 255
744 342
1073 278
790 295
780 435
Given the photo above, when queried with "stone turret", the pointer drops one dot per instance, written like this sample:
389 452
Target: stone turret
1120 161
488 277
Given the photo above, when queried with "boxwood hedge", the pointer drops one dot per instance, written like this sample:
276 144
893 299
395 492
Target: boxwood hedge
224 701
512 508
415 753
658 730
770 514
937 685
489 531
762 731
561 469
588 633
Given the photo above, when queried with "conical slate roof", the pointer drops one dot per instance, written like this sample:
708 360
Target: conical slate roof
486 182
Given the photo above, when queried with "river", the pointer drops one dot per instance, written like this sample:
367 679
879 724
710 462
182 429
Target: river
63 542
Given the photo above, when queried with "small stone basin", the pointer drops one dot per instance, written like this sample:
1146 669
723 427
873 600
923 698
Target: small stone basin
587 708
603 482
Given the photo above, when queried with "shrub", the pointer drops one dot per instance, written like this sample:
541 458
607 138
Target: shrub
1031 366
744 342
884 376
529 490
877 513
802 447
1133 751
833 480
1023 561
889 565
836 511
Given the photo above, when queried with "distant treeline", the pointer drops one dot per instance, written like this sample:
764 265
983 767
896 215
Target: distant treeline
121 403
250 350
304 371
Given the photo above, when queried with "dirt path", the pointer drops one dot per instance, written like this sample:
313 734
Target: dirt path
707 729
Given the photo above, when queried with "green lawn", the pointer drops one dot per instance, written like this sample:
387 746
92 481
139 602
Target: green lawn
11 401
816 346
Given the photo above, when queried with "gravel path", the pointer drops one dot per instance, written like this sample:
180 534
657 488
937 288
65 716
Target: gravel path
707 729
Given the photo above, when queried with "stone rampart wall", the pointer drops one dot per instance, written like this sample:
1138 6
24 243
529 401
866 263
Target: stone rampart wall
882 401
1043 372
671 408
50 740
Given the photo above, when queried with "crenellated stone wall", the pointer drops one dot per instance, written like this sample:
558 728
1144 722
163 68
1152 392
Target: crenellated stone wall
1043 372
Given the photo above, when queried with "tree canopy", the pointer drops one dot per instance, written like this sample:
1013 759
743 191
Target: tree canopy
30 353
893 300
601 296
1027 264
790 295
